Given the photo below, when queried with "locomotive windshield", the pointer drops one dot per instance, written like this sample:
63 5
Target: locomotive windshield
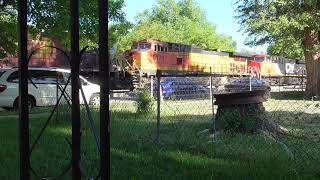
259 59
144 46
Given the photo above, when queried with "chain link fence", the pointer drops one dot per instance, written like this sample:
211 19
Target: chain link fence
282 130
191 117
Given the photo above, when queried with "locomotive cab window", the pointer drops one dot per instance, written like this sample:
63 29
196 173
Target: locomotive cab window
259 59
144 46
179 61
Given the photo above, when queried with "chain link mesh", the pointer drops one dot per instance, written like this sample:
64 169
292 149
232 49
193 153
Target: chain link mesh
288 134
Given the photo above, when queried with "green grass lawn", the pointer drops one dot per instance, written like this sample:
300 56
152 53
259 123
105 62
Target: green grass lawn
183 153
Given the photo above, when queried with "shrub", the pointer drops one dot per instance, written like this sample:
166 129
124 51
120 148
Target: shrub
234 122
145 101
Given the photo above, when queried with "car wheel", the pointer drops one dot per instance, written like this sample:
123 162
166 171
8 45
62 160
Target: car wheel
95 100
31 104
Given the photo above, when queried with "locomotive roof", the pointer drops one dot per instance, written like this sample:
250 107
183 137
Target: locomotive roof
240 54
187 48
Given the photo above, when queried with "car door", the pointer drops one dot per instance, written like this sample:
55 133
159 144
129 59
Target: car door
87 89
65 84
46 82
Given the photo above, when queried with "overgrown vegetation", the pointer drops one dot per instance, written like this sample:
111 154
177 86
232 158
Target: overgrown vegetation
234 122
145 102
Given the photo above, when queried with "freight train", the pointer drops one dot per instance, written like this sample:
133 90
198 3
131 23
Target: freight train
149 55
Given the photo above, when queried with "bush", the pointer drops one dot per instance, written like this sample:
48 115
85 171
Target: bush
234 122
145 101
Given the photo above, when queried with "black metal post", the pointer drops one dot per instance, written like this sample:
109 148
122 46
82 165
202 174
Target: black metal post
159 94
104 74
23 91
151 86
57 96
279 83
75 59
212 99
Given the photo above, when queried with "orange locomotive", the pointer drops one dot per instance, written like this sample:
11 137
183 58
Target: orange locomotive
150 55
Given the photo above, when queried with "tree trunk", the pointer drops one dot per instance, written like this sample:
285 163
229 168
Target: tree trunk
312 58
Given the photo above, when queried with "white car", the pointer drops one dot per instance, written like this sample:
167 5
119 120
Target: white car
45 90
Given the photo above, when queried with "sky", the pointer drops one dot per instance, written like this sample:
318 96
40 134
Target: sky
219 12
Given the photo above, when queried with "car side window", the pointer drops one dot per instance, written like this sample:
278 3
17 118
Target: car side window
13 77
37 76
66 76
62 79
2 72
43 77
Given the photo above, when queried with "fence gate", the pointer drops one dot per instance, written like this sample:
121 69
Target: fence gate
24 147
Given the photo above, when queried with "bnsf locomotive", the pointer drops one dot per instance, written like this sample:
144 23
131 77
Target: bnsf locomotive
150 55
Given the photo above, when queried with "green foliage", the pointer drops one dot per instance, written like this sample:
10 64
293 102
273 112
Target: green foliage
116 31
234 122
53 18
8 29
181 22
280 48
284 23
145 102
291 27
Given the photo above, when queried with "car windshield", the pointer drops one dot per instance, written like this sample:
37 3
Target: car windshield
2 72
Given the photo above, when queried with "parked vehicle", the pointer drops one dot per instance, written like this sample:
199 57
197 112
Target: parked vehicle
182 88
44 90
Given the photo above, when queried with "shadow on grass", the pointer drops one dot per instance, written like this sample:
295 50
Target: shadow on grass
287 95
182 154
181 133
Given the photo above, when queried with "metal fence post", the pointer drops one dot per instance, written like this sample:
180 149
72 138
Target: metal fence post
151 86
75 71
23 91
279 83
104 76
57 96
211 93
158 105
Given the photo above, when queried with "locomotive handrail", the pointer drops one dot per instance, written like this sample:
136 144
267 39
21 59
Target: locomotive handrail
254 71
133 66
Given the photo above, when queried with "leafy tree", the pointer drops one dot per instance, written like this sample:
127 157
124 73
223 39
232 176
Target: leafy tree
290 24
181 22
280 48
53 18
8 28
